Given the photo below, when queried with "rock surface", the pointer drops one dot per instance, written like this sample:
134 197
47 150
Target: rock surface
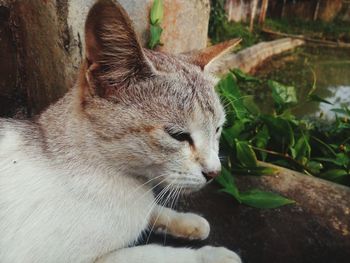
250 58
314 230
185 23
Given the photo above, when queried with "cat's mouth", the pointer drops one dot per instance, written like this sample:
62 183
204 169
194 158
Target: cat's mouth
176 181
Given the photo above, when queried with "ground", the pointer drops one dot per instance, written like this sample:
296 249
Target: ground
288 234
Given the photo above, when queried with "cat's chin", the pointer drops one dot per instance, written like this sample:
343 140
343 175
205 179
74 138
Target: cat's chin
187 189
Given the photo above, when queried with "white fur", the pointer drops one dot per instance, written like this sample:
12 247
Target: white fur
82 213
60 215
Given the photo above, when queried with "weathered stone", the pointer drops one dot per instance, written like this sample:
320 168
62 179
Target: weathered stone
185 23
248 59
314 230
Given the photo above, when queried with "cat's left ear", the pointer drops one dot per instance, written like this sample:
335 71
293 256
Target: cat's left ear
114 56
209 58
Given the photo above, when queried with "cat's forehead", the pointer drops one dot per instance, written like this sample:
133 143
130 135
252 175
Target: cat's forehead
186 86
165 62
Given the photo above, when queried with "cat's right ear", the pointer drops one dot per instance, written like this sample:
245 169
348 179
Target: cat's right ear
114 56
209 58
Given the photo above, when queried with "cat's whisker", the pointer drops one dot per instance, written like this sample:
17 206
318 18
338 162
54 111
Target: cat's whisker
149 190
167 222
157 199
164 203
159 213
179 195
145 183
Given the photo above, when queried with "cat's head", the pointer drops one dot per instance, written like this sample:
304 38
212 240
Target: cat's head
153 115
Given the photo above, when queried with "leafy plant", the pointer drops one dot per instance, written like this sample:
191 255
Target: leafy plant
221 29
156 17
254 197
239 150
335 30
280 138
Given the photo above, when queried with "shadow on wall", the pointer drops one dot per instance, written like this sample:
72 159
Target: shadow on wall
12 98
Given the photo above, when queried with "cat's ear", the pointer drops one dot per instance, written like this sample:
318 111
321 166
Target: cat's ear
208 58
114 55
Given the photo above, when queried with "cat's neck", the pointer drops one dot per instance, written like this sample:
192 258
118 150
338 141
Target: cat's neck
66 135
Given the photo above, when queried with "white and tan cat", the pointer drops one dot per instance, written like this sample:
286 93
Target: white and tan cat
76 182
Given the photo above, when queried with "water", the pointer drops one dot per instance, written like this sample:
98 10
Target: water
325 69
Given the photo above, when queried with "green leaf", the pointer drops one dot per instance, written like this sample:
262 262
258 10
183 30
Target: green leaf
241 76
229 91
314 167
226 180
280 130
230 133
327 160
343 159
317 98
245 154
283 96
155 33
250 105
261 199
302 149
256 171
157 12
261 140
344 111
335 175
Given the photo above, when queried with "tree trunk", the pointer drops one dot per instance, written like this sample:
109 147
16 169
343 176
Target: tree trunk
283 8
252 15
264 6
317 8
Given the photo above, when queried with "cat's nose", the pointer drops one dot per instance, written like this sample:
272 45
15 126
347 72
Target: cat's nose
211 175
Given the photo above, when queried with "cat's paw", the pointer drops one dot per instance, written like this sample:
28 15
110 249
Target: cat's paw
188 226
209 254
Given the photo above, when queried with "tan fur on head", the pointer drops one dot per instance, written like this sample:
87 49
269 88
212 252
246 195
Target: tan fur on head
136 101
125 88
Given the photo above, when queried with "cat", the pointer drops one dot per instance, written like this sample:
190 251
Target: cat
76 182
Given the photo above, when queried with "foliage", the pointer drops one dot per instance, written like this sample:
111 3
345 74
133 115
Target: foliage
336 30
156 17
254 197
280 138
220 29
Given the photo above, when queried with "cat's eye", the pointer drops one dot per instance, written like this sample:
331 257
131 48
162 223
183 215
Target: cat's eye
180 136
218 129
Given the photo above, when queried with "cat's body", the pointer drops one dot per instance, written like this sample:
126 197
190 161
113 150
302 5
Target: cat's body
76 183
50 212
